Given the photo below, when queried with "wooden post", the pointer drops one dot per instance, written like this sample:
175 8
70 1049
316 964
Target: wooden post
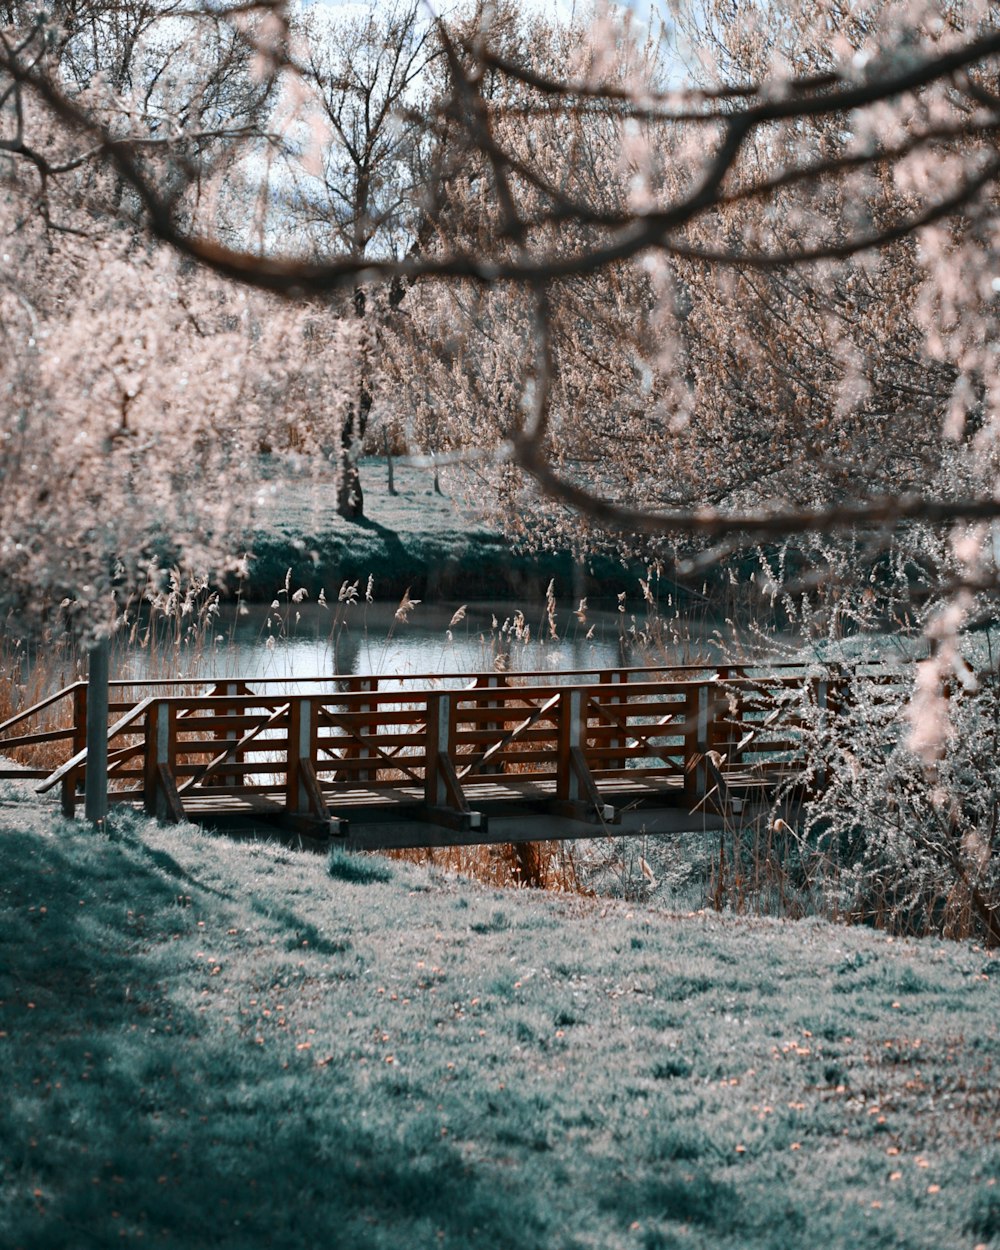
366 730
729 742
439 709
695 743
494 680
79 743
305 804
299 796
570 736
96 770
576 794
822 693
236 688
159 786
444 800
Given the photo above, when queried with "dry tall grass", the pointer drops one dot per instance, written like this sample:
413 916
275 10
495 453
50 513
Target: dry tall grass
514 865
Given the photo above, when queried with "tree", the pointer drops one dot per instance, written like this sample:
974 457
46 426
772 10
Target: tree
782 159
139 386
357 181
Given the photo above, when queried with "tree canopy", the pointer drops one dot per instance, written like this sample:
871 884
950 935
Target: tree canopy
728 273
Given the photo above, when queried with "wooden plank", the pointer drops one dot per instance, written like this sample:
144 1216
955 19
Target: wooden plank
222 748
40 706
243 721
675 769
476 763
637 751
361 722
354 739
27 740
484 739
81 756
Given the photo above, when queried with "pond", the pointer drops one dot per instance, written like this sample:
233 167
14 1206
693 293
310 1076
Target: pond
309 640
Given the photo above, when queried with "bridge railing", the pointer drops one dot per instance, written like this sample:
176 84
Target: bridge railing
438 746
698 729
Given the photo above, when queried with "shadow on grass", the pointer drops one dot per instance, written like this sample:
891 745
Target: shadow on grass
132 1111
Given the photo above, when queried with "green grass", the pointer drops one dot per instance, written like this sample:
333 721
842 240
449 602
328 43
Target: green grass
415 539
211 1043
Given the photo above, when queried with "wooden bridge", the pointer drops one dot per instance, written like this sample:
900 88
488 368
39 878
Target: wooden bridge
429 760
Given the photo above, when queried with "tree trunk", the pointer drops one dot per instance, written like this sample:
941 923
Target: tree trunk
350 496
388 461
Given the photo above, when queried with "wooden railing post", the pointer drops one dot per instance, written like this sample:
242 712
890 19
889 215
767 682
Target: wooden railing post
822 696
571 734
444 798
729 741
615 677
696 742
69 782
159 785
355 750
493 681
439 742
367 729
235 688
577 795
301 752
95 803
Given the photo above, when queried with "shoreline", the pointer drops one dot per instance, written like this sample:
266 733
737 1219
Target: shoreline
431 565
413 540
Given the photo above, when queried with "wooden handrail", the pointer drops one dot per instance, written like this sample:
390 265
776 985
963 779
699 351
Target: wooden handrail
747 668
40 706
81 756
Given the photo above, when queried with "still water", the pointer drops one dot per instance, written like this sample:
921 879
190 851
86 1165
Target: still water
297 641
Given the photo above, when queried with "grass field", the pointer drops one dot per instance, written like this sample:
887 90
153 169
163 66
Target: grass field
212 1043
416 539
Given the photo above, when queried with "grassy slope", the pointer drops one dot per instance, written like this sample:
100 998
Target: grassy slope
212 1043
415 539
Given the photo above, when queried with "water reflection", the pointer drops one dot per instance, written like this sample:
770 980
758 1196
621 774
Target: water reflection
307 640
